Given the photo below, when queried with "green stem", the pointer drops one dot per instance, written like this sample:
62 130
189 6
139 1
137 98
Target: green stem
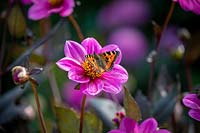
153 63
76 27
41 118
82 113
167 19
81 37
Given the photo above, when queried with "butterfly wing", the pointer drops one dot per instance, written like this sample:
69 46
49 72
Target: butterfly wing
95 62
109 59
102 62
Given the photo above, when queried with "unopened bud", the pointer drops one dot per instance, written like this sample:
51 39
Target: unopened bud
178 52
20 75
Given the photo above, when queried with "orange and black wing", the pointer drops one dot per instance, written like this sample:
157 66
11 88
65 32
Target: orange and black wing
109 58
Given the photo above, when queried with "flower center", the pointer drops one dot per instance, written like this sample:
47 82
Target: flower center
91 70
55 3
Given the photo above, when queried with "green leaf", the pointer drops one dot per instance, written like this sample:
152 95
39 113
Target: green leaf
92 124
131 107
49 125
68 121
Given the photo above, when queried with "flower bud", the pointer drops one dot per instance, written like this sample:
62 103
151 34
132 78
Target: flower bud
178 52
20 75
118 117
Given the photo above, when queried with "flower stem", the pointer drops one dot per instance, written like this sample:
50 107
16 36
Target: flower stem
150 82
153 63
82 113
81 37
76 27
41 118
167 19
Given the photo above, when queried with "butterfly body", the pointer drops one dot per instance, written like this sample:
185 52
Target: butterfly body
99 63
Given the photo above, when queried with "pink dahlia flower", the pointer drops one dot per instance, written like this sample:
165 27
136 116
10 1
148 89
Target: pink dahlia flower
193 102
81 71
190 5
128 125
44 8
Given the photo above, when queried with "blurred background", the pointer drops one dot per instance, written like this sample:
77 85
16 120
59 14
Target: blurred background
127 23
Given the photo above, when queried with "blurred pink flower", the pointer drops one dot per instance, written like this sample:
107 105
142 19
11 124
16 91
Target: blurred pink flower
170 39
44 8
190 5
80 70
124 12
193 102
131 42
71 96
128 125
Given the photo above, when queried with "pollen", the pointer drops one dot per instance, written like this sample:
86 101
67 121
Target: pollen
90 70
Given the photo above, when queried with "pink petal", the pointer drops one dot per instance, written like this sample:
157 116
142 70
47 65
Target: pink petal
195 114
196 8
38 11
111 87
191 101
38 1
55 10
190 5
117 74
129 125
67 63
77 75
74 50
91 45
112 47
92 88
67 8
186 4
148 126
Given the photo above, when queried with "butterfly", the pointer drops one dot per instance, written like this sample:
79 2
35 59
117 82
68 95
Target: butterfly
102 62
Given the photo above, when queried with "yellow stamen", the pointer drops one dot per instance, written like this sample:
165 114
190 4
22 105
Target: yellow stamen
90 71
